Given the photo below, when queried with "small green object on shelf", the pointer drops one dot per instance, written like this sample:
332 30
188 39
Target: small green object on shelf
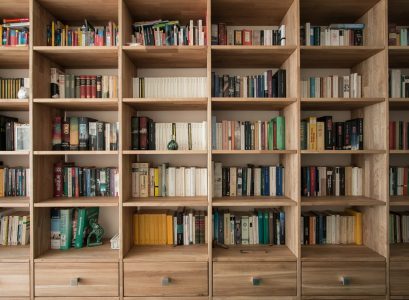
172 145
95 236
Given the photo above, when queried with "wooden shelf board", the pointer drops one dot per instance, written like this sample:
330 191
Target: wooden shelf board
164 152
340 201
335 56
167 202
14 9
74 10
252 152
250 56
14 57
328 12
330 152
167 253
167 56
253 201
15 202
14 254
339 104
95 104
12 153
261 253
79 202
85 152
399 200
399 103
398 56
399 252
14 104
399 152
251 103
81 56
339 253
157 104
102 254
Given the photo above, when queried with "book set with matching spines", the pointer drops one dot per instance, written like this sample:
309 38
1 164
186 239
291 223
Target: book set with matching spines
324 134
398 135
149 135
331 181
82 133
14 228
271 84
86 34
247 181
260 227
9 87
398 35
15 32
398 227
247 135
398 181
222 34
169 33
398 84
168 181
333 35
70 227
72 182
14 181
182 227
64 86
331 228
14 136
334 86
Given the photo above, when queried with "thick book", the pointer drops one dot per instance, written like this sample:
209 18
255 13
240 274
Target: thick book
66 228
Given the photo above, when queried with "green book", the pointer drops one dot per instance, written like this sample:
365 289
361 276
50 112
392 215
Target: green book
265 229
280 123
84 216
66 228
260 227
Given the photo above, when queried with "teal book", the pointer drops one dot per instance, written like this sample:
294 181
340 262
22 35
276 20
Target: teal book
265 227
260 227
66 228
83 227
280 123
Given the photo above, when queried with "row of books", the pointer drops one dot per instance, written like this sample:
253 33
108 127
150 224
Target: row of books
71 181
398 181
398 135
70 227
14 228
86 34
14 136
334 86
169 33
169 87
261 227
247 36
148 135
14 181
247 135
332 35
82 133
247 181
398 84
168 181
271 84
398 35
15 32
82 86
324 134
398 227
9 87
331 181
166 228
329 227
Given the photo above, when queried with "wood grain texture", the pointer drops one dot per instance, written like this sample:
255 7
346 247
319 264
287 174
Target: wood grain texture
338 253
338 104
276 278
14 254
75 104
399 278
167 202
167 104
262 201
14 105
398 201
398 104
14 202
399 252
14 8
251 103
14 279
79 202
14 57
340 201
257 253
191 253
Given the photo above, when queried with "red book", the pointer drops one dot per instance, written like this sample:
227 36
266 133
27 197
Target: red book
83 90
274 136
93 86
247 37
15 20
312 181
143 133
75 178
58 180
224 132
222 34
405 181
88 86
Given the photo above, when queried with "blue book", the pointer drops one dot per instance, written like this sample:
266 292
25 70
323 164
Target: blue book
282 228
267 181
279 181
320 221
214 137
221 229
308 182
216 226
347 26
312 87
260 227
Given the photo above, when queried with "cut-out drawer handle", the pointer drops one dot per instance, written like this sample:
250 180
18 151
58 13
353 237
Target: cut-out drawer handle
255 281
74 281
166 281
345 281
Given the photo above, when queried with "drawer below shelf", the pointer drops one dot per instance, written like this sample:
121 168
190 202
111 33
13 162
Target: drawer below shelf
399 278
14 280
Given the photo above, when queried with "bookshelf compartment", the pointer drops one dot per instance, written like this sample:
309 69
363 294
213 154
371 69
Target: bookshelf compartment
191 253
260 253
14 57
14 279
76 279
167 104
361 278
399 279
178 279
81 104
254 279
398 56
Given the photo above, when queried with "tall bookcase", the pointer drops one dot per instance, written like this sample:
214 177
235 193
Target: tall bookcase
372 271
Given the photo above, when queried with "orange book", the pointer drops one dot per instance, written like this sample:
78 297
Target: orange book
169 229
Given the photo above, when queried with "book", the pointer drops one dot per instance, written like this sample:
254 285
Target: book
333 86
332 35
65 228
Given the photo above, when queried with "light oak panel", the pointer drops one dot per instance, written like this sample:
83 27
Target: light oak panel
14 57
14 279
14 8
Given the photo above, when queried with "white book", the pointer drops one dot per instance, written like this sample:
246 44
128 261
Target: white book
171 189
257 181
192 181
135 87
282 35
346 87
334 37
107 134
308 34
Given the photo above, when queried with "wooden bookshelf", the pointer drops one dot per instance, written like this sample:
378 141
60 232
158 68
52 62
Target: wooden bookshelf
341 201
264 201
339 253
11 202
79 202
15 254
14 57
81 104
167 202
264 253
335 104
167 253
167 104
14 104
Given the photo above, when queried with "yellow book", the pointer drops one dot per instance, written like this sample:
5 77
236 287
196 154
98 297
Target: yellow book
1 182
142 230
358 225
136 229
52 33
169 229
79 35
162 229
320 136
156 182
312 142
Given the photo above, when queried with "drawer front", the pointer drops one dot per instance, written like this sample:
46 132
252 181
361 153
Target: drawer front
166 279
254 279
14 279
399 278
76 279
343 278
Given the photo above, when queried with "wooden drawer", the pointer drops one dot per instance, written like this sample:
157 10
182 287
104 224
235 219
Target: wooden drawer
14 279
399 278
76 279
166 279
325 278
254 278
